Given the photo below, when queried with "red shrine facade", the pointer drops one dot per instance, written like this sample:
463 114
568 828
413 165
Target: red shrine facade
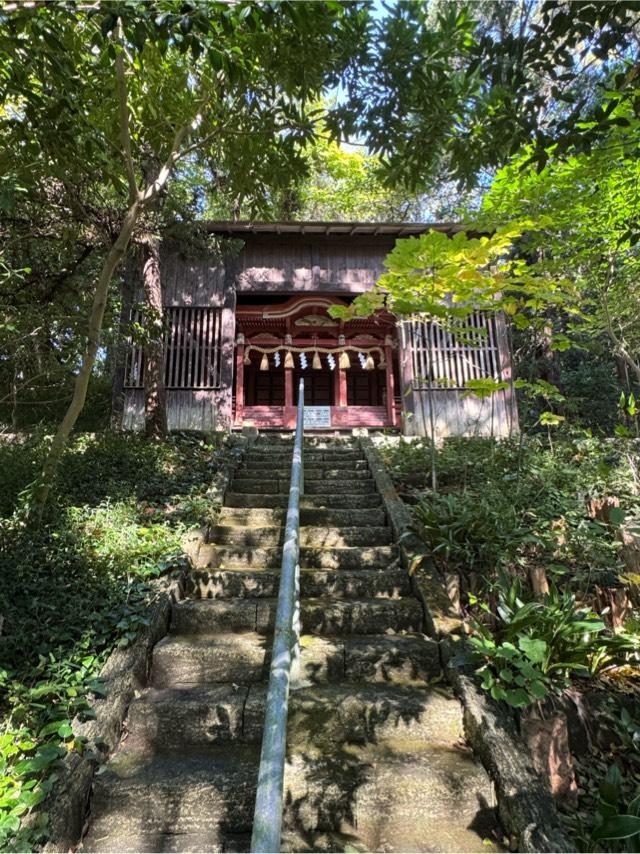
350 369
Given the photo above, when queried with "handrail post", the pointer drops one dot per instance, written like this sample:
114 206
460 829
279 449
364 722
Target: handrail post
285 665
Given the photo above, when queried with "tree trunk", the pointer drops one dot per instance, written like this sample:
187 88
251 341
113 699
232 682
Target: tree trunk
155 395
42 486
122 344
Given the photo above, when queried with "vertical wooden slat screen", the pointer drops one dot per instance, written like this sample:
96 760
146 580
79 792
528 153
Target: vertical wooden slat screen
192 344
442 360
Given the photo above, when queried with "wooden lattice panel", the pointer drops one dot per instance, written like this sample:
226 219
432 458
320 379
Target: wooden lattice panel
192 344
442 359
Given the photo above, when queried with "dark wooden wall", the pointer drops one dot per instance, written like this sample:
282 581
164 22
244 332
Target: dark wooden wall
199 282
447 412
303 263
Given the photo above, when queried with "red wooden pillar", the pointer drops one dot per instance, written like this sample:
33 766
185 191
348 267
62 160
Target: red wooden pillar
340 388
239 379
288 387
391 405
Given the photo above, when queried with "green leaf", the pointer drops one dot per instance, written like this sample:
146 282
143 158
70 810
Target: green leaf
538 690
617 515
618 827
517 697
534 648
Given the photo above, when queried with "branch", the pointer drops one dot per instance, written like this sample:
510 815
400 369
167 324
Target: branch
123 116
618 344
165 171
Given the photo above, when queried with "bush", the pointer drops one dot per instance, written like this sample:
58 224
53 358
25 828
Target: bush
77 587
534 648
511 505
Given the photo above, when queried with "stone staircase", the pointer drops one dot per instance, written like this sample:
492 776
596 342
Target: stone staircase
376 757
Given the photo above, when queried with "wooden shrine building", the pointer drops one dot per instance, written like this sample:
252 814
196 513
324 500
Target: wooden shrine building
239 333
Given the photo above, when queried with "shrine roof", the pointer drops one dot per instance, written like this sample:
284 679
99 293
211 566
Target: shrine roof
371 229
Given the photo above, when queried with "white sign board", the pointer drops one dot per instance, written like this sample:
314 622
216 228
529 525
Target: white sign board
317 416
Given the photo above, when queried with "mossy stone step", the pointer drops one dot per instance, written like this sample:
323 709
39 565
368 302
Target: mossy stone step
323 537
259 583
319 616
375 758
333 456
141 793
170 718
275 485
309 466
401 795
398 796
206 659
213 841
310 474
256 516
320 717
311 557
307 502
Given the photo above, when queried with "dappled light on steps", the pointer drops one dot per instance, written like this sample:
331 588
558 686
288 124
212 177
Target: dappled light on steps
376 759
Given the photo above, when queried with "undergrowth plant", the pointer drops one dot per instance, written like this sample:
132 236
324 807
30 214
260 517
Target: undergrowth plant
532 648
77 587
515 504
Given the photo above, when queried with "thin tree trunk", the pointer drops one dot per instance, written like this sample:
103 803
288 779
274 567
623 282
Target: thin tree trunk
42 487
122 346
155 396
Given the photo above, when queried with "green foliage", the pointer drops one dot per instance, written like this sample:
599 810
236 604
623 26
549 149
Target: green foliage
459 87
535 648
589 203
79 586
478 534
443 279
510 504
100 105
345 185
616 822
447 278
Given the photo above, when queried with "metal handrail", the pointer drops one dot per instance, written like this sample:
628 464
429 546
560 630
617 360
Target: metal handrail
285 664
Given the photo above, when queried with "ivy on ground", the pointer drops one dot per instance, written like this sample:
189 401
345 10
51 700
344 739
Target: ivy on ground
77 587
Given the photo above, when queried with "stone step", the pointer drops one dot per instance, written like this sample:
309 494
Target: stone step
172 718
243 658
339 584
274 485
393 797
310 474
277 457
213 840
330 537
319 616
205 659
248 557
249 517
321 716
309 467
347 502
198 795
310 443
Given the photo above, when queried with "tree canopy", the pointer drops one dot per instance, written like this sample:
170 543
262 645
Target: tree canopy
462 86
103 102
